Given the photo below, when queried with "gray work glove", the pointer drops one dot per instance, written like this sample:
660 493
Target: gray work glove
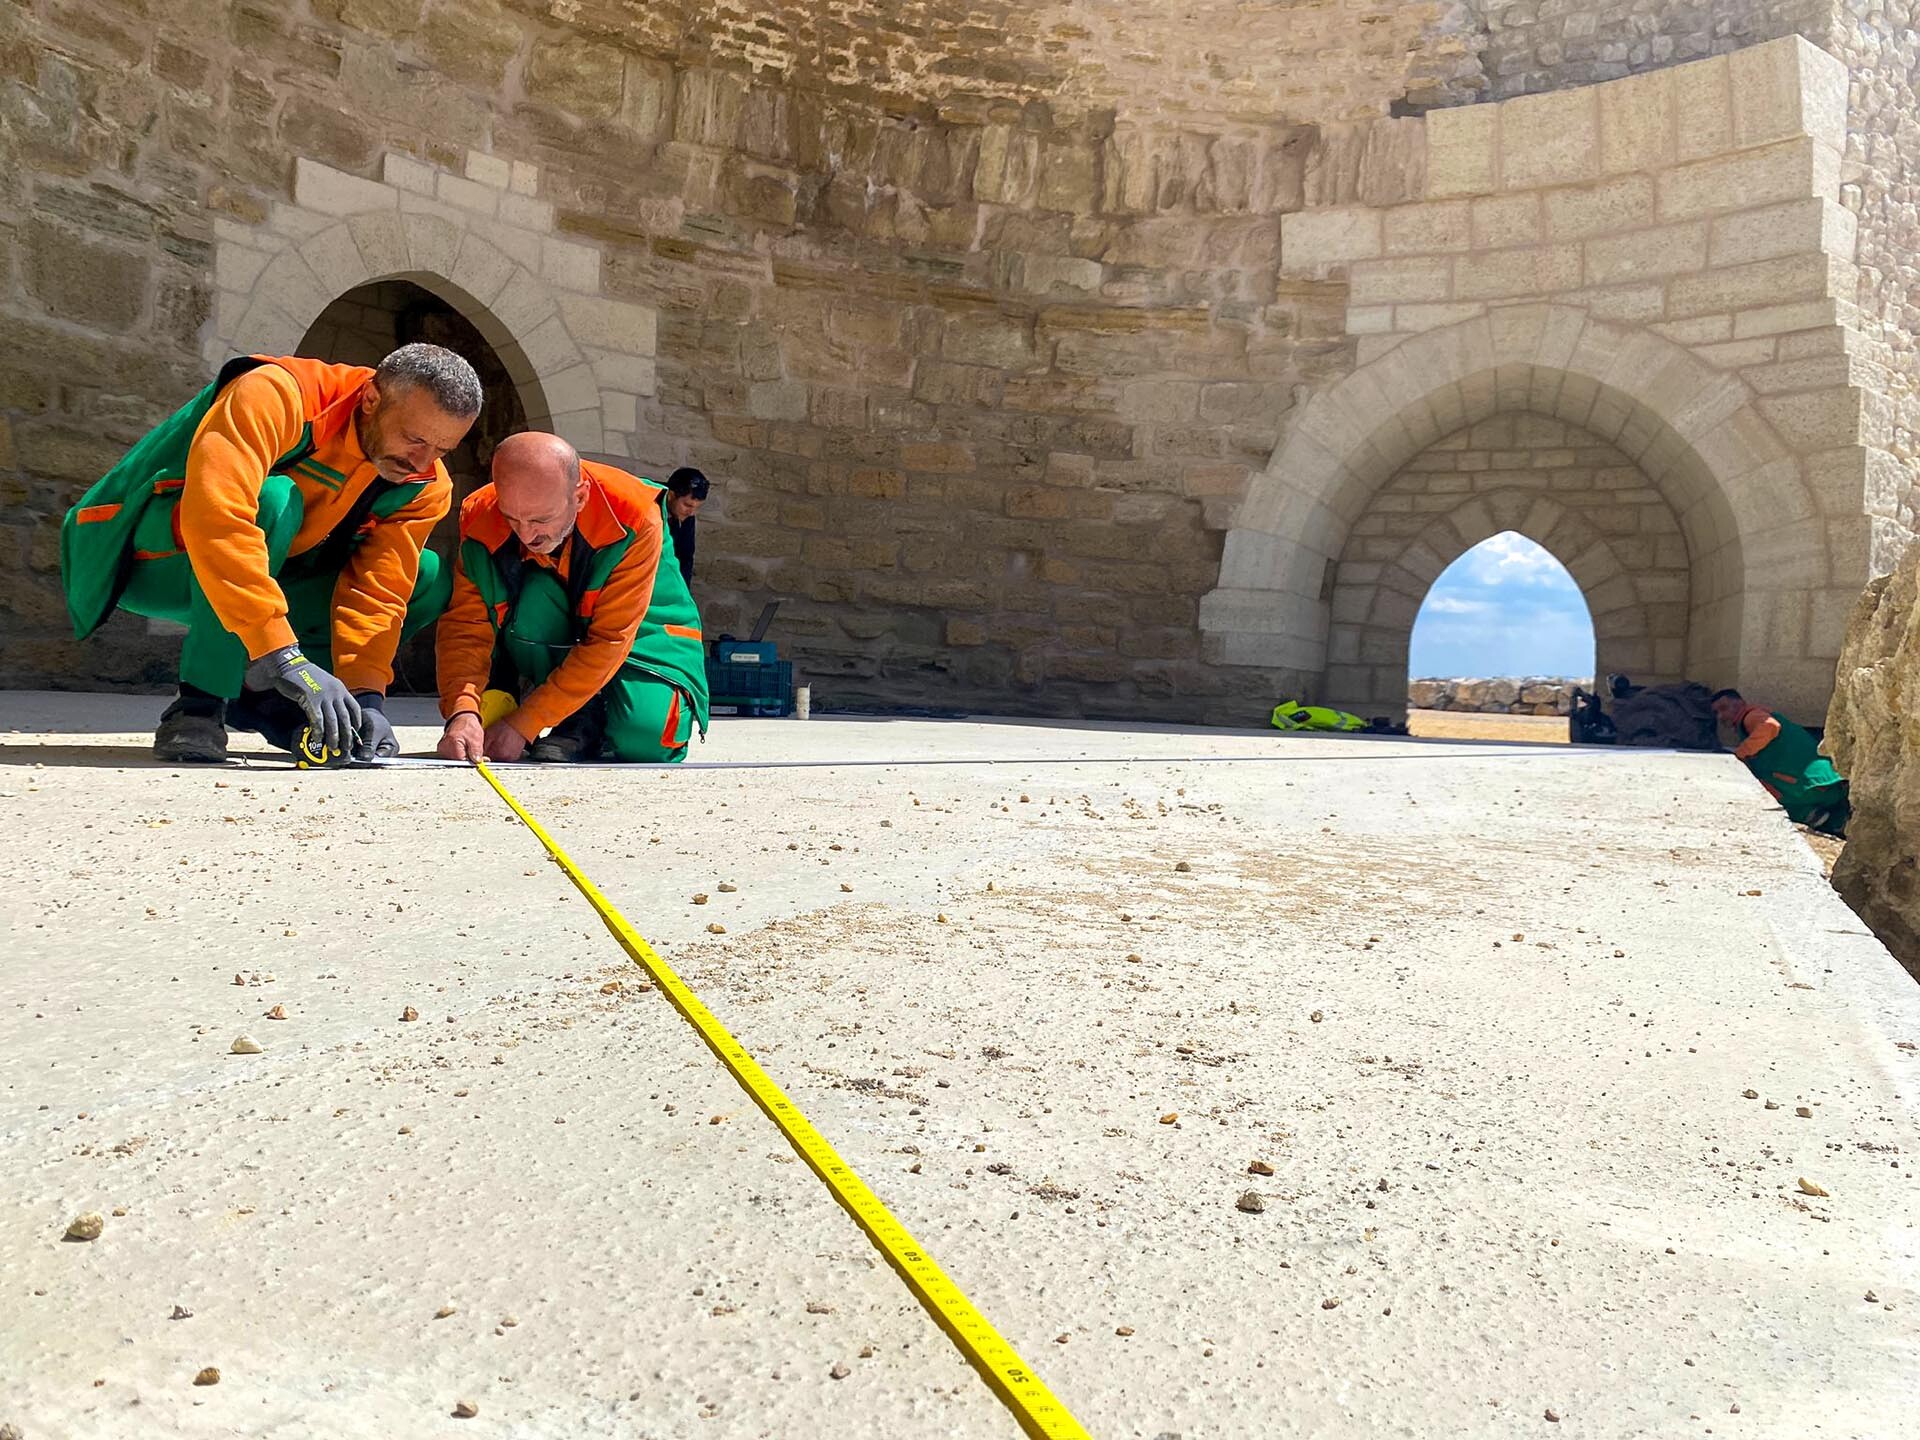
376 731
332 714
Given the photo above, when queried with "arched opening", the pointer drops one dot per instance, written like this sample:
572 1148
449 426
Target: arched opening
360 328
1555 491
1759 558
1504 630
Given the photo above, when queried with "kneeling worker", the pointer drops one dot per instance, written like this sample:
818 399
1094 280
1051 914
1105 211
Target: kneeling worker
561 599
282 516
1786 759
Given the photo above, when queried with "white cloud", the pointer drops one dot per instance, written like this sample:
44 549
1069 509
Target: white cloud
1454 605
1509 558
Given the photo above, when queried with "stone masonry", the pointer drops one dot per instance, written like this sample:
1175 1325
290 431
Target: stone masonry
1120 360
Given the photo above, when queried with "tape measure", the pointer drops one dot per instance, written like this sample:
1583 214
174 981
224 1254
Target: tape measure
315 754
1018 1388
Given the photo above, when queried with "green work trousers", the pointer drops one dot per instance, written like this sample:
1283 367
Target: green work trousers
212 658
648 719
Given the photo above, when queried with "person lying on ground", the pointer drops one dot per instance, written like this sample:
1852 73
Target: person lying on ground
282 516
1786 759
561 601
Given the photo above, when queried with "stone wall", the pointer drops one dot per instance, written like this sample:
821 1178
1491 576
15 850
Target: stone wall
979 337
1528 46
1660 260
1575 494
980 315
1505 695
1873 735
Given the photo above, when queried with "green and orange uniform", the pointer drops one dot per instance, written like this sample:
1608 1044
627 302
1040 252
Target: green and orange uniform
253 517
1786 759
602 619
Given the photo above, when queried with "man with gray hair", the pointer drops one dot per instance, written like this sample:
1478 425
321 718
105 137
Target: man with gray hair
282 516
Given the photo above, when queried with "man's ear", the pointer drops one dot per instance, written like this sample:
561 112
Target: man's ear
370 396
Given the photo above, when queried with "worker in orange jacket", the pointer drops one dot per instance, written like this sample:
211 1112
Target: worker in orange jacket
282 516
568 604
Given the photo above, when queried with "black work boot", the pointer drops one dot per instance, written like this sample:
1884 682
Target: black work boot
193 730
581 736
271 715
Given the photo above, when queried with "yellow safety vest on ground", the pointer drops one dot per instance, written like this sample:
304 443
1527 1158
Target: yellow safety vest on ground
1289 715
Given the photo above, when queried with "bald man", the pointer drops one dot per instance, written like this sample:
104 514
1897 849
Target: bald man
561 600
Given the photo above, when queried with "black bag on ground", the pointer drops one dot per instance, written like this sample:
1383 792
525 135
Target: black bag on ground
1678 717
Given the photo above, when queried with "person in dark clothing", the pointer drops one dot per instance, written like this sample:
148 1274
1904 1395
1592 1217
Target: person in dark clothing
686 493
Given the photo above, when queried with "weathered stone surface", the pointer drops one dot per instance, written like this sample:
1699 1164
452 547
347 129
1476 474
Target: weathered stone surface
1873 734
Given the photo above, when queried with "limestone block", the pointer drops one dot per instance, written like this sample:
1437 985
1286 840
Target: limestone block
382 243
610 324
481 269
1735 354
570 266
1536 270
549 349
327 191
523 246
617 370
1703 109
293 289
406 173
777 400
1060 275
525 303
574 388
432 242
525 178
1370 320
1738 182
1816 419
1624 202
1636 123
336 260
236 268
988 338
1550 139
1781 319
1462 150
1794 227
1629 303
1664 250
1377 347
1500 221
1313 241
619 412
1436 226
581 429
489 170
297 223
1766 284
526 214
1415 278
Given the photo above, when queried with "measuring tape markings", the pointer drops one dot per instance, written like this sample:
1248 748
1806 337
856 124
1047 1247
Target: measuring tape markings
1019 1389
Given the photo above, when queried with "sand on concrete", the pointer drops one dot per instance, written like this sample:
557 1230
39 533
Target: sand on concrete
1472 725
1489 1012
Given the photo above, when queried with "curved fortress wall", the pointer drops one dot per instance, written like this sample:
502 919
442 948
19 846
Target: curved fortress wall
1012 335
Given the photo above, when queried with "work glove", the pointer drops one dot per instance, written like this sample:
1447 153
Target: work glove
376 739
333 716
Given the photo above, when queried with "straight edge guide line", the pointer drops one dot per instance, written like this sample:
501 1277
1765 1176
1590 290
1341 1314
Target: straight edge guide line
1017 1387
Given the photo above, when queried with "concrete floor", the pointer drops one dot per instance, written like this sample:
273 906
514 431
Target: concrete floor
1488 1011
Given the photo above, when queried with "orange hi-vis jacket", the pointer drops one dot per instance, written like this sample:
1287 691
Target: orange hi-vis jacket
253 422
619 509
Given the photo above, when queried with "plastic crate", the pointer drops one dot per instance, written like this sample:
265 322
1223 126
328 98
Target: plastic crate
750 689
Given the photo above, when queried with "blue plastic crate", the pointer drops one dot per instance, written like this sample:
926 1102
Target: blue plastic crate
750 689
